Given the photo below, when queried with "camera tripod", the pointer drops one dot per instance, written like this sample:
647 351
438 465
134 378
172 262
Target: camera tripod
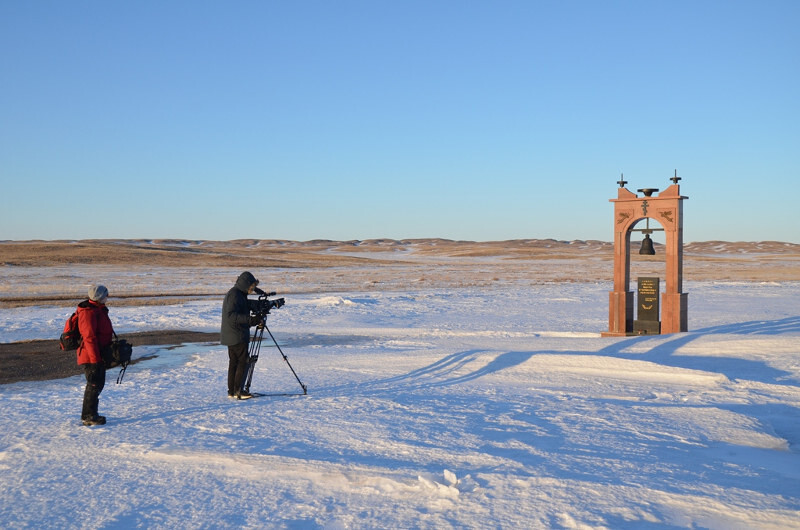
255 350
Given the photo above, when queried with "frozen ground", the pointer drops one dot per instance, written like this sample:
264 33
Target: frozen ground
473 407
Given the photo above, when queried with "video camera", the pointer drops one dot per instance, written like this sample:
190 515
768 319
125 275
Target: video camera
263 305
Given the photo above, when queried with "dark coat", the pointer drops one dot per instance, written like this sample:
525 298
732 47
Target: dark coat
236 312
96 331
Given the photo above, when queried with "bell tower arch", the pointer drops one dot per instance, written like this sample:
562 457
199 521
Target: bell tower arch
667 209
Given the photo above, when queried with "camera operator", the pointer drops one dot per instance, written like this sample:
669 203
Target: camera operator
235 332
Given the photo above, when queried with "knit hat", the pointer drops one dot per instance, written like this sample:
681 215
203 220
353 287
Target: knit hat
97 293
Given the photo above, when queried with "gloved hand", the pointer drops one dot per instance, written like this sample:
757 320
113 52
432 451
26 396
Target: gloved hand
254 320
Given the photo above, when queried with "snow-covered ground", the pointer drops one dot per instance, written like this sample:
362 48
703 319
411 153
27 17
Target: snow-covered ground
433 408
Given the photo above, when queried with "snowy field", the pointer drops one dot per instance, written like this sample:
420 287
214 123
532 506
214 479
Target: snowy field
434 408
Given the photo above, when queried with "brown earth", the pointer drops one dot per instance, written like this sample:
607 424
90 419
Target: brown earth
40 360
325 253
54 272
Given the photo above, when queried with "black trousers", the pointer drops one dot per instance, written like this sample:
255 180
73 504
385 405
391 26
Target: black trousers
95 381
237 366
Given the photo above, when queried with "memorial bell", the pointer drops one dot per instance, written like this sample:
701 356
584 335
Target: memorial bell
647 246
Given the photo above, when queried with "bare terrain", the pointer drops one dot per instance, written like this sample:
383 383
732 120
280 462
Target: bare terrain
169 271
155 272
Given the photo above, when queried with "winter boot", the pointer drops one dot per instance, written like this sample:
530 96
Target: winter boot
243 394
95 420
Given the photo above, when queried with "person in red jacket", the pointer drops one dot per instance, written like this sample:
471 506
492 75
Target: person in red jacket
97 334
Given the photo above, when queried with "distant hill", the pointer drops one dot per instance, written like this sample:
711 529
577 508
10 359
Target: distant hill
327 253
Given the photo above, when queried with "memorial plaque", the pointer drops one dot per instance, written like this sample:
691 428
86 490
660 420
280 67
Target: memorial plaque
647 307
648 299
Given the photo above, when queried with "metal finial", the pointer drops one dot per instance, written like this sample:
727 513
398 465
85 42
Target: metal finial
621 181
676 178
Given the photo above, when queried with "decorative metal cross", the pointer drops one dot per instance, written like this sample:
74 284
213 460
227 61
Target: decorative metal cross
621 181
644 207
676 178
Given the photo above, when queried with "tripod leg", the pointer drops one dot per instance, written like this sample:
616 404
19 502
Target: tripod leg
248 377
122 373
305 389
252 357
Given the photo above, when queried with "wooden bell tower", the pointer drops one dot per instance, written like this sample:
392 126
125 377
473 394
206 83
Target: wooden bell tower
666 208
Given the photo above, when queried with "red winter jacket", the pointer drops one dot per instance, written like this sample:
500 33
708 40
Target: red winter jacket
96 331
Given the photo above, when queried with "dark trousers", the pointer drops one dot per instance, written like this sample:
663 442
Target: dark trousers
237 366
95 381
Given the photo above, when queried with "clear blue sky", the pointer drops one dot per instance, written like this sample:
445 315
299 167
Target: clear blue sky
363 119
